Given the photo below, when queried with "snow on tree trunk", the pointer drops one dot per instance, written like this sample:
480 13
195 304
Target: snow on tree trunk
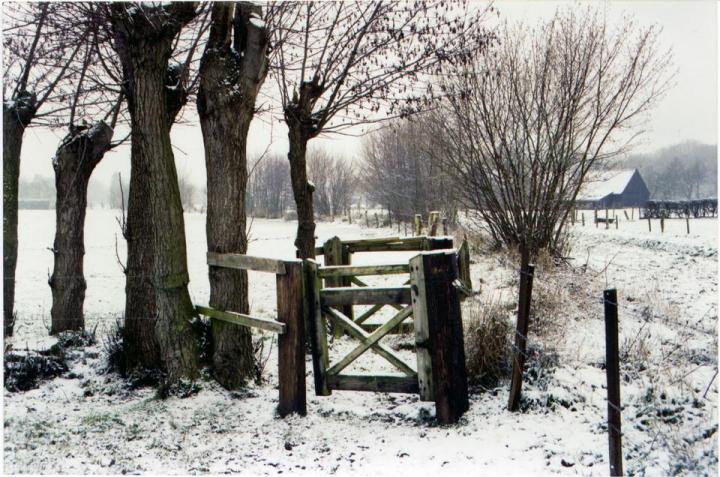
74 162
230 78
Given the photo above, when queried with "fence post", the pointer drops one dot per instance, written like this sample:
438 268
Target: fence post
612 366
662 225
336 253
583 219
521 331
607 223
367 221
433 220
617 222
291 344
433 275
649 225
687 224
626 214
418 225
445 225
464 264
596 219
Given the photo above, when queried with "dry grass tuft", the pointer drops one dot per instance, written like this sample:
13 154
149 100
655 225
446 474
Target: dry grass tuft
488 333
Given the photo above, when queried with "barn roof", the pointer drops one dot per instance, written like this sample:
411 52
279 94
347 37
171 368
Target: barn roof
600 184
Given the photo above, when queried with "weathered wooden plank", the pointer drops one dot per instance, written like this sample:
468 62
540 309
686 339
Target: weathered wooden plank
241 319
246 262
357 332
374 383
464 264
364 270
365 296
401 329
422 333
366 343
291 344
318 329
337 254
445 332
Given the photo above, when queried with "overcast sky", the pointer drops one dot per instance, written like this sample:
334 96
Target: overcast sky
688 112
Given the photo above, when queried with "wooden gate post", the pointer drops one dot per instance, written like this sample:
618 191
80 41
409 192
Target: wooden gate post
612 366
317 328
418 225
439 334
336 253
291 344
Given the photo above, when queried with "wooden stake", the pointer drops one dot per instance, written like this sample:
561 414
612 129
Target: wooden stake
612 366
418 225
523 320
687 224
649 225
662 225
583 219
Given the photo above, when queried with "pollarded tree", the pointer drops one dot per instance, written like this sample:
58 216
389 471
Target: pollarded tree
158 309
37 56
80 151
341 64
232 70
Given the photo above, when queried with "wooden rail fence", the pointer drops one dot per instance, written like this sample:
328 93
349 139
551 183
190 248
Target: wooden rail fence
290 326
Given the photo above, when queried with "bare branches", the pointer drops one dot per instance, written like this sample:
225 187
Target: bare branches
524 125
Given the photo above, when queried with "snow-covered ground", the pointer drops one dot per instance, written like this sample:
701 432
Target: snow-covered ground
89 422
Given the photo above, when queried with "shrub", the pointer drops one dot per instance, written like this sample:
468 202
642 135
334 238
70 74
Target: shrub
25 371
488 334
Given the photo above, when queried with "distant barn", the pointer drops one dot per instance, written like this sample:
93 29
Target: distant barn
613 189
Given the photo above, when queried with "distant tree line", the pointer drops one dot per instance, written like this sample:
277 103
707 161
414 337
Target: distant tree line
270 193
400 173
683 171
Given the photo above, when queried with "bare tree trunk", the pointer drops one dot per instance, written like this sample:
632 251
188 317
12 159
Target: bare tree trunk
302 190
15 119
74 162
158 310
226 105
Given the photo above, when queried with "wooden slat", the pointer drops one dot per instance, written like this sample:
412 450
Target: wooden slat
370 340
374 383
358 333
364 270
365 296
318 329
401 329
246 262
244 320
422 333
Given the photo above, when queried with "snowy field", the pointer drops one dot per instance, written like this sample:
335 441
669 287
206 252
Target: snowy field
90 422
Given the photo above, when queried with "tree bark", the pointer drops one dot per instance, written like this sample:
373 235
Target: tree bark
158 309
74 162
302 190
230 79
16 117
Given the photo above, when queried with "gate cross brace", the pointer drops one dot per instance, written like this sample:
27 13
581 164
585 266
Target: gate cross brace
375 308
370 340
358 333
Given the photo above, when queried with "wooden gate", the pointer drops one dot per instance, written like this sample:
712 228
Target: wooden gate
431 299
